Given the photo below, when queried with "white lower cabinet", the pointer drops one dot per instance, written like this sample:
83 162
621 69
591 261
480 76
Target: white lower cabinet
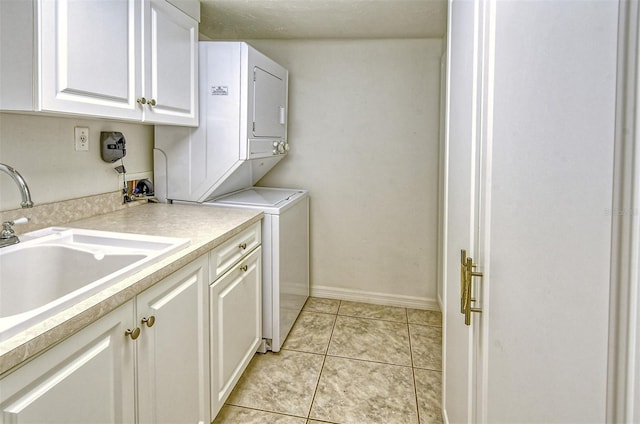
173 348
160 338
236 324
170 355
88 378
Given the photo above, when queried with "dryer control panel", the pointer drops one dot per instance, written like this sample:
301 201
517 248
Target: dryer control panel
262 147
280 147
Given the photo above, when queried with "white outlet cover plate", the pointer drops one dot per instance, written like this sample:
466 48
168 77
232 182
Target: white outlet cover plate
81 139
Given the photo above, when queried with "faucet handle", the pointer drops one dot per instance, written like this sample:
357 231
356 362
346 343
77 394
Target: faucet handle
21 220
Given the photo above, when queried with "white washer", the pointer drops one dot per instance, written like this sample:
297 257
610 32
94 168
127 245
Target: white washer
285 255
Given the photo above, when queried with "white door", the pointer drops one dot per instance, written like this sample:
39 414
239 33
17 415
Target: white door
77 77
460 205
268 104
544 100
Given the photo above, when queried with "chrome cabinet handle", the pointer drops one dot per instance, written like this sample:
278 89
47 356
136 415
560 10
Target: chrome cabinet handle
244 268
134 334
149 321
243 246
144 101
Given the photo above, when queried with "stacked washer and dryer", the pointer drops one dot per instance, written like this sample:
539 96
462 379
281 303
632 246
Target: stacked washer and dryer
242 135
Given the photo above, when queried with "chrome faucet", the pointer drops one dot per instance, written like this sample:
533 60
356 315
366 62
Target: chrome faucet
22 184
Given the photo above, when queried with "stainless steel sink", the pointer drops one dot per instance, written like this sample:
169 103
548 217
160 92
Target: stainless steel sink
54 268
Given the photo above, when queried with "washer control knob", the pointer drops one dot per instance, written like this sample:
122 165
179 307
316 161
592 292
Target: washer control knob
281 147
275 151
275 144
286 147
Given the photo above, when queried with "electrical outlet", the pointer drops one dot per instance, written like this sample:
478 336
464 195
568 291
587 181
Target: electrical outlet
81 139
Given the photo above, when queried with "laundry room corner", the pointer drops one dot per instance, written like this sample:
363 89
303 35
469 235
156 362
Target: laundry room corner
364 123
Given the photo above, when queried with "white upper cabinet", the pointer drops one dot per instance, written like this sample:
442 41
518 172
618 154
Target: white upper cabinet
119 59
90 58
171 62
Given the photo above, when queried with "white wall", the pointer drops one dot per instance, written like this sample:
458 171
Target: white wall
42 150
363 126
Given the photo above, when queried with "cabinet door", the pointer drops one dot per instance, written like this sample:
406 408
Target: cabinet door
90 57
88 378
236 325
173 351
171 66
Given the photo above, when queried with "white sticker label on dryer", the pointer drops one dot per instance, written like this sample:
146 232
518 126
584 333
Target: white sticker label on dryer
219 90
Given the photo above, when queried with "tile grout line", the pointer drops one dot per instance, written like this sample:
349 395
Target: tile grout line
413 371
370 361
324 360
264 410
372 318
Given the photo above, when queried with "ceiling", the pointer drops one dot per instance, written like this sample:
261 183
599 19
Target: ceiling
322 19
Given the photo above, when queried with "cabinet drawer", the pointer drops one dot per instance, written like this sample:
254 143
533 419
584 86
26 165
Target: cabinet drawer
234 249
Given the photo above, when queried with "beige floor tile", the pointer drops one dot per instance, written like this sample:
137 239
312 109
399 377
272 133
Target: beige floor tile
236 415
359 392
372 340
311 333
426 346
318 304
319 422
429 394
366 310
282 382
424 317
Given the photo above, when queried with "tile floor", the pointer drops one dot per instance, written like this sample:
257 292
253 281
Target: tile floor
343 363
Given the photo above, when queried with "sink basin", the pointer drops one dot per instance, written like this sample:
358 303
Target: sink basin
54 268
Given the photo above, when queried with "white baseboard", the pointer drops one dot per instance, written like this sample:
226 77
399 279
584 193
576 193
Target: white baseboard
401 301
